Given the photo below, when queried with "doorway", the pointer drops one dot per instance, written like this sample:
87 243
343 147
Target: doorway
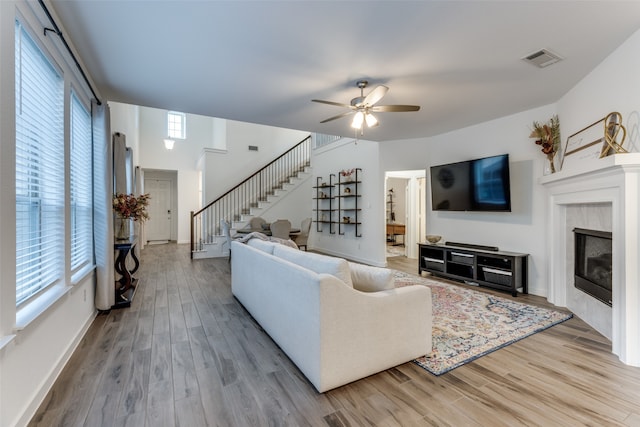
405 206
162 188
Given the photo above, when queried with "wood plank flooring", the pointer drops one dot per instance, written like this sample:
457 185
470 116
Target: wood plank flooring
186 353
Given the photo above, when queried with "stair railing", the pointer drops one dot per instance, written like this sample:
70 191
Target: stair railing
238 201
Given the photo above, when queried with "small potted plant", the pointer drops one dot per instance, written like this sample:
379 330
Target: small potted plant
346 173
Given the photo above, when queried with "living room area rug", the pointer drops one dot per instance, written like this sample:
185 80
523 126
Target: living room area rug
468 324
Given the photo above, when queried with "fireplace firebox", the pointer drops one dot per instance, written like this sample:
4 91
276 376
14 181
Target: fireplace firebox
593 263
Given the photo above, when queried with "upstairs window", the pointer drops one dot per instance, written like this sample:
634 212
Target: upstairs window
176 125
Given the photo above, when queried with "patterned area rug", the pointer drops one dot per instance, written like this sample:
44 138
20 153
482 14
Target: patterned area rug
468 324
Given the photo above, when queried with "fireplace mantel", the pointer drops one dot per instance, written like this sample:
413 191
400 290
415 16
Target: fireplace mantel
613 180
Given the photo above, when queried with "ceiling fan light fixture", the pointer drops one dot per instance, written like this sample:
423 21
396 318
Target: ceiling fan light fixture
362 106
371 120
358 119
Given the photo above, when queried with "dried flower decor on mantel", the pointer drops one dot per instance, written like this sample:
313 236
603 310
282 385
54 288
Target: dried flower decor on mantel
547 135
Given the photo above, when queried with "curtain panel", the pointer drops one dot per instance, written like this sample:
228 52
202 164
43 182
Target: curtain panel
102 207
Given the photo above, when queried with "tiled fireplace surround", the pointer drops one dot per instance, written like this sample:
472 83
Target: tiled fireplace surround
600 194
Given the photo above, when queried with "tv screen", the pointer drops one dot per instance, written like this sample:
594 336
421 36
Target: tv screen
474 185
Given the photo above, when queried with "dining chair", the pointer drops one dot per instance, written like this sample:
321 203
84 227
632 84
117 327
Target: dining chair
256 222
303 236
281 228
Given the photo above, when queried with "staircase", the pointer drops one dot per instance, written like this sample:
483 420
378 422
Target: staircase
252 197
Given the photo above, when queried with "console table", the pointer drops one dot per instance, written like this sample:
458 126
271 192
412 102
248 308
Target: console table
505 271
394 230
125 287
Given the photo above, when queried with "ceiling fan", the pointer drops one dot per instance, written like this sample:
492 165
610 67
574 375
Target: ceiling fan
362 106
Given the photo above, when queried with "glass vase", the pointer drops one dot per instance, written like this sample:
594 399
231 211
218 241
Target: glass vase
122 228
549 165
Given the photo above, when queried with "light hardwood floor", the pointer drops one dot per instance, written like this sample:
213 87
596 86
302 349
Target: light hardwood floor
187 354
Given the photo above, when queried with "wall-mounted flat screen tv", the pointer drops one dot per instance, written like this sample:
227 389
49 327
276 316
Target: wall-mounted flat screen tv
474 185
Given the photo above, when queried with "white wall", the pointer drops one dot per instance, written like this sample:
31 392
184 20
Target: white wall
125 119
614 85
297 207
521 230
347 154
224 169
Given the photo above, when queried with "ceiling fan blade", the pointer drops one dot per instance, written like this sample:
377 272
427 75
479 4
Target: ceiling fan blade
338 116
375 95
337 104
394 108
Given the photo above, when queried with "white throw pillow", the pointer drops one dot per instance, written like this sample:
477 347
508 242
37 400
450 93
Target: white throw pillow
315 262
263 245
370 279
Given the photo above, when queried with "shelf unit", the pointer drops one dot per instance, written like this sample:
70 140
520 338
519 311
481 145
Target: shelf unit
348 197
338 202
391 215
324 199
505 271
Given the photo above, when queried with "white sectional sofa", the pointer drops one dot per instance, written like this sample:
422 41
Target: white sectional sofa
315 308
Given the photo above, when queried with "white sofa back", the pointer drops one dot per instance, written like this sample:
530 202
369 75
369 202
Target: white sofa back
334 334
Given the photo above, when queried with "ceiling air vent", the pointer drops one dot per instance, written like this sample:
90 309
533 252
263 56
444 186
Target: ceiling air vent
542 58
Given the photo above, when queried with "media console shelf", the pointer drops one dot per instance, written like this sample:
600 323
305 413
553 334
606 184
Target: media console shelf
505 271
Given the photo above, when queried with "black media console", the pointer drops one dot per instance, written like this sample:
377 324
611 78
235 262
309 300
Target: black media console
476 265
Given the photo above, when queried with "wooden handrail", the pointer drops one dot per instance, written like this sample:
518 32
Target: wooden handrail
254 175
253 189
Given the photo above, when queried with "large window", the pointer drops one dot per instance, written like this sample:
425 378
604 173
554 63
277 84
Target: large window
81 189
176 125
39 169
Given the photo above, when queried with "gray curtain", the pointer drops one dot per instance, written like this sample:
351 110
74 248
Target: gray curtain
120 162
102 210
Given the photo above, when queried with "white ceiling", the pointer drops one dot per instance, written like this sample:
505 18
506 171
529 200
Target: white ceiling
263 61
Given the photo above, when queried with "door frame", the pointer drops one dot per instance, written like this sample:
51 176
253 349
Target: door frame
412 226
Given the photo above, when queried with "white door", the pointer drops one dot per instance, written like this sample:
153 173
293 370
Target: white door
158 227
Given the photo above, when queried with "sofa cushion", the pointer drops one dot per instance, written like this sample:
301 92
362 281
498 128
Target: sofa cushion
317 263
263 245
366 278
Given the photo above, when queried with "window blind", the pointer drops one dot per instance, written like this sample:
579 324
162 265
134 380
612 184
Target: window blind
81 188
39 169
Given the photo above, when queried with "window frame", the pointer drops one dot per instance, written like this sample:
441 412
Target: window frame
36 178
176 129
85 193
15 318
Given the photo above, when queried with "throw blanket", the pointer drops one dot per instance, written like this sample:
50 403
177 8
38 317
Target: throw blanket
262 236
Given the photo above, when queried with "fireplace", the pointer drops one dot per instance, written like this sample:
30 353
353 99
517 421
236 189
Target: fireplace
574 199
593 263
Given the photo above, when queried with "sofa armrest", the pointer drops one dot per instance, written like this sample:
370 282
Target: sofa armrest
365 333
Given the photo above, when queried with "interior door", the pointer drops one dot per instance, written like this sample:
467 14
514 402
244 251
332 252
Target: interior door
158 227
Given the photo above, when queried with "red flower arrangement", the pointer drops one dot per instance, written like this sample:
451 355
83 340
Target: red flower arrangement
347 172
130 206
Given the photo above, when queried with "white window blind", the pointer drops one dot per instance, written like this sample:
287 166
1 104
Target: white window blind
176 125
39 169
81 188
